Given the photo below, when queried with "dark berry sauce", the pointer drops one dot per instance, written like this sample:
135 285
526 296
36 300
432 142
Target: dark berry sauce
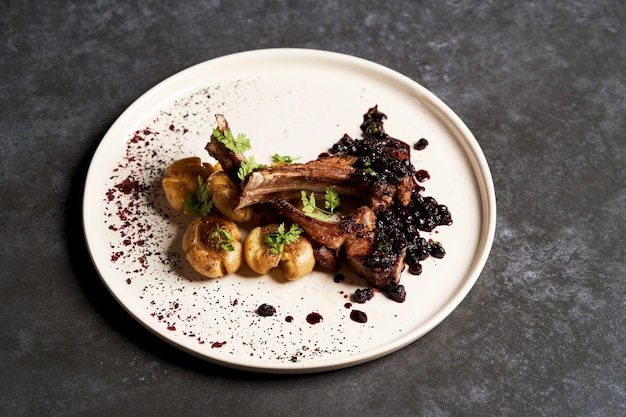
422 175
398 227
420 144
358 316
314 318
396 292
266 310
436 250
363 295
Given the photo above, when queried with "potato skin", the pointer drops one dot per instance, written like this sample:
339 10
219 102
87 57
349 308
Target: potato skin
224 193
200 249
295 261
256 253
182 179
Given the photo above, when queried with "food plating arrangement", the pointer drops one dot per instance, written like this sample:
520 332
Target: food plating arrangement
274 237
373 175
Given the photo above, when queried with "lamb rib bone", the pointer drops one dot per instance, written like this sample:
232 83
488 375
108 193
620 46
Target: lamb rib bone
229 160
340 171
287 181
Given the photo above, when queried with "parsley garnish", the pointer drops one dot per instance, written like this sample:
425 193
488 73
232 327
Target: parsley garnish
224 239
367 168
276 241
331 200
198 203
283 158
331 203
246 167
240 144
309 207
385 247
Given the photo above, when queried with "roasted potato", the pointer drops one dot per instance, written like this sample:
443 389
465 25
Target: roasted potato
224 193
212 245
182 179
295 260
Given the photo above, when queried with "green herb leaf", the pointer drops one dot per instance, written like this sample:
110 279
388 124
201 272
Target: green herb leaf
224 239
246 167
283 158
367 169
310 208
276 241
331 203
331 199
240 144
198 203
385 247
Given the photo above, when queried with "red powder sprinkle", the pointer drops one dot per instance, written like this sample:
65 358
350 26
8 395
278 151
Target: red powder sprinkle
130 185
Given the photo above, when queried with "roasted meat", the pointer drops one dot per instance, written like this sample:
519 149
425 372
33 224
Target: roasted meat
376 170
382 235
326 259
356 233
360 224
287 181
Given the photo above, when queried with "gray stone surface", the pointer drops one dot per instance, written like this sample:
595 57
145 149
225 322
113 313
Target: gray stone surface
541 85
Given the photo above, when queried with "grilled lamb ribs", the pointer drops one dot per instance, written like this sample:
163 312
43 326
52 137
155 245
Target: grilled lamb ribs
287 181
382 235
355 232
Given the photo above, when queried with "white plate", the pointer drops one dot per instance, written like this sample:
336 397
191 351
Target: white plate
294 102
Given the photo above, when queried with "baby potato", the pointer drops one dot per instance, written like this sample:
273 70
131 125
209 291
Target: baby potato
207 244
257 254
182 179
296 259
224 193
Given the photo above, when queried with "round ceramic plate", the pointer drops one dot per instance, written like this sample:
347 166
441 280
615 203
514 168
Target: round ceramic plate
291 102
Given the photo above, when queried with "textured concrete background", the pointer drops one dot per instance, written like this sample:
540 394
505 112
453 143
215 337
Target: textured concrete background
541 85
